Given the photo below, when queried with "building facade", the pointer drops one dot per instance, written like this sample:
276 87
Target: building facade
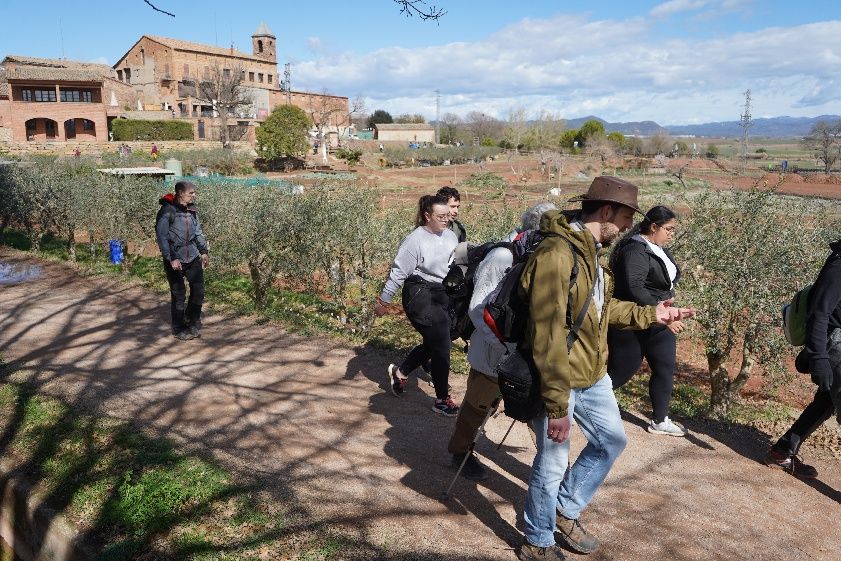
57 100
404 132
166 74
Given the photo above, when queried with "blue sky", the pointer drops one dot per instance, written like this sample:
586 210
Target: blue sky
674 62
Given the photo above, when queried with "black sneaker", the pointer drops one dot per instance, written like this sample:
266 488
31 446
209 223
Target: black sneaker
529 552
446 407
574 536
791 463
473 468
395 382
184 335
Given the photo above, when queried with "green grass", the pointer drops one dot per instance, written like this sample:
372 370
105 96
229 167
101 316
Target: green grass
129 493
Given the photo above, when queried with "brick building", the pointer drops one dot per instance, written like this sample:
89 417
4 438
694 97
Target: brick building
55 99
165 74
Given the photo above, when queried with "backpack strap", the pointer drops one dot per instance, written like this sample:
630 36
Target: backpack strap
572 336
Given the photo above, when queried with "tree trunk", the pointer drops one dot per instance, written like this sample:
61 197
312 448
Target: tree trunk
224 133
322 145
719 385
71 245
92 243
259 290
748 359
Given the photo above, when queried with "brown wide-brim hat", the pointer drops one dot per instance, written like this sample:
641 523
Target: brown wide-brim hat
611 190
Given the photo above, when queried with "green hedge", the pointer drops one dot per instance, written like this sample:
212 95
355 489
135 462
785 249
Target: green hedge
130 129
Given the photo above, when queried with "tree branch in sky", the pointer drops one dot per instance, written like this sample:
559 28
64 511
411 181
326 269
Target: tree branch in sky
421 9
158 9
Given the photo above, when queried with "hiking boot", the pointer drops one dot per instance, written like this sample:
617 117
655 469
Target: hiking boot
667 427
194 331
395 382
446 407
184 335
790 463
473 468
529 552
574 536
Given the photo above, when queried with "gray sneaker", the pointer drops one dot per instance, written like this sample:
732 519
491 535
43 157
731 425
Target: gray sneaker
184 335
529 552
666 427
574 536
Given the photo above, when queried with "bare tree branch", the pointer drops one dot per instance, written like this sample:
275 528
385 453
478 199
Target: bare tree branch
158 9
421 9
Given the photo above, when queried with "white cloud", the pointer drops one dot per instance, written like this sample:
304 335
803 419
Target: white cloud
673 7
314 44
574 66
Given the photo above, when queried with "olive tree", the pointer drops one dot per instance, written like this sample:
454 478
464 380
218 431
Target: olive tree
744 254
823 140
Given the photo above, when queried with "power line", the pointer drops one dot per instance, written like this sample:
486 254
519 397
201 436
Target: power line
746 123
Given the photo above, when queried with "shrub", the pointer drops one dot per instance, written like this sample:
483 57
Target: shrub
131 129
712 151
349 155
283 134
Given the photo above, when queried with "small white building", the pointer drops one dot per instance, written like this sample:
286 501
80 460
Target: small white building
405 132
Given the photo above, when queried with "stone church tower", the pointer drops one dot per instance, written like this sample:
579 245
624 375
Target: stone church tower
264 42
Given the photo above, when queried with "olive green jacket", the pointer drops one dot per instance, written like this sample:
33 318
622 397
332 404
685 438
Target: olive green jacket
545 285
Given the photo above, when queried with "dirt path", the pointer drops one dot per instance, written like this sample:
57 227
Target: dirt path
312 419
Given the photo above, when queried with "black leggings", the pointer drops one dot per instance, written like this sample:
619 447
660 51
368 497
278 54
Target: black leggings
184 311
426 305
658 346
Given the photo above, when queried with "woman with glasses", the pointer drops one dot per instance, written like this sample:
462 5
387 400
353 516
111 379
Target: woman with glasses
646 273
421 264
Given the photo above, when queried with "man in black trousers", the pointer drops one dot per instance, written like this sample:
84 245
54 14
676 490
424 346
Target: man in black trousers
184 250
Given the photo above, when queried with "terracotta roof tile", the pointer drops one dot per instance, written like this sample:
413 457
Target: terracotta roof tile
53 74
198 47
20 60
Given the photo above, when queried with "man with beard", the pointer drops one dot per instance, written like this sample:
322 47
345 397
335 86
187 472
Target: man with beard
571 366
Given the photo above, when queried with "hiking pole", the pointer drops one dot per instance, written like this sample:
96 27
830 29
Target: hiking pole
501 442
481 430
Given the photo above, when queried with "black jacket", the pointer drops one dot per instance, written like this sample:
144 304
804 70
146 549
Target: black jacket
639 275
823 310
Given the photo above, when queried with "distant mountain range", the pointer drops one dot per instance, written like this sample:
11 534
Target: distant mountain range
774 127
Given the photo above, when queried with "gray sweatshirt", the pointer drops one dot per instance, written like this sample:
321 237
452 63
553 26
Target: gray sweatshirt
421 253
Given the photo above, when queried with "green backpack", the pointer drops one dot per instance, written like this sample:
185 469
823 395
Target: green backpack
794 317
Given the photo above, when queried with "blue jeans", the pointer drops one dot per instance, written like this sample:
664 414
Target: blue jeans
555 489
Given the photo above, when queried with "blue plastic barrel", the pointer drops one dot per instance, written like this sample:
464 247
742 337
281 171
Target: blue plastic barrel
115 248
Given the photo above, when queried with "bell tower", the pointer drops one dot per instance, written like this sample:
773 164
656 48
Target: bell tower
264 43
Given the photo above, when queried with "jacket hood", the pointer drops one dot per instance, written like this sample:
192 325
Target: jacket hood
169 199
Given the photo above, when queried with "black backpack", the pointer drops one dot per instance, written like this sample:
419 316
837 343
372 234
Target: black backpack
459 284
517 374
505 313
